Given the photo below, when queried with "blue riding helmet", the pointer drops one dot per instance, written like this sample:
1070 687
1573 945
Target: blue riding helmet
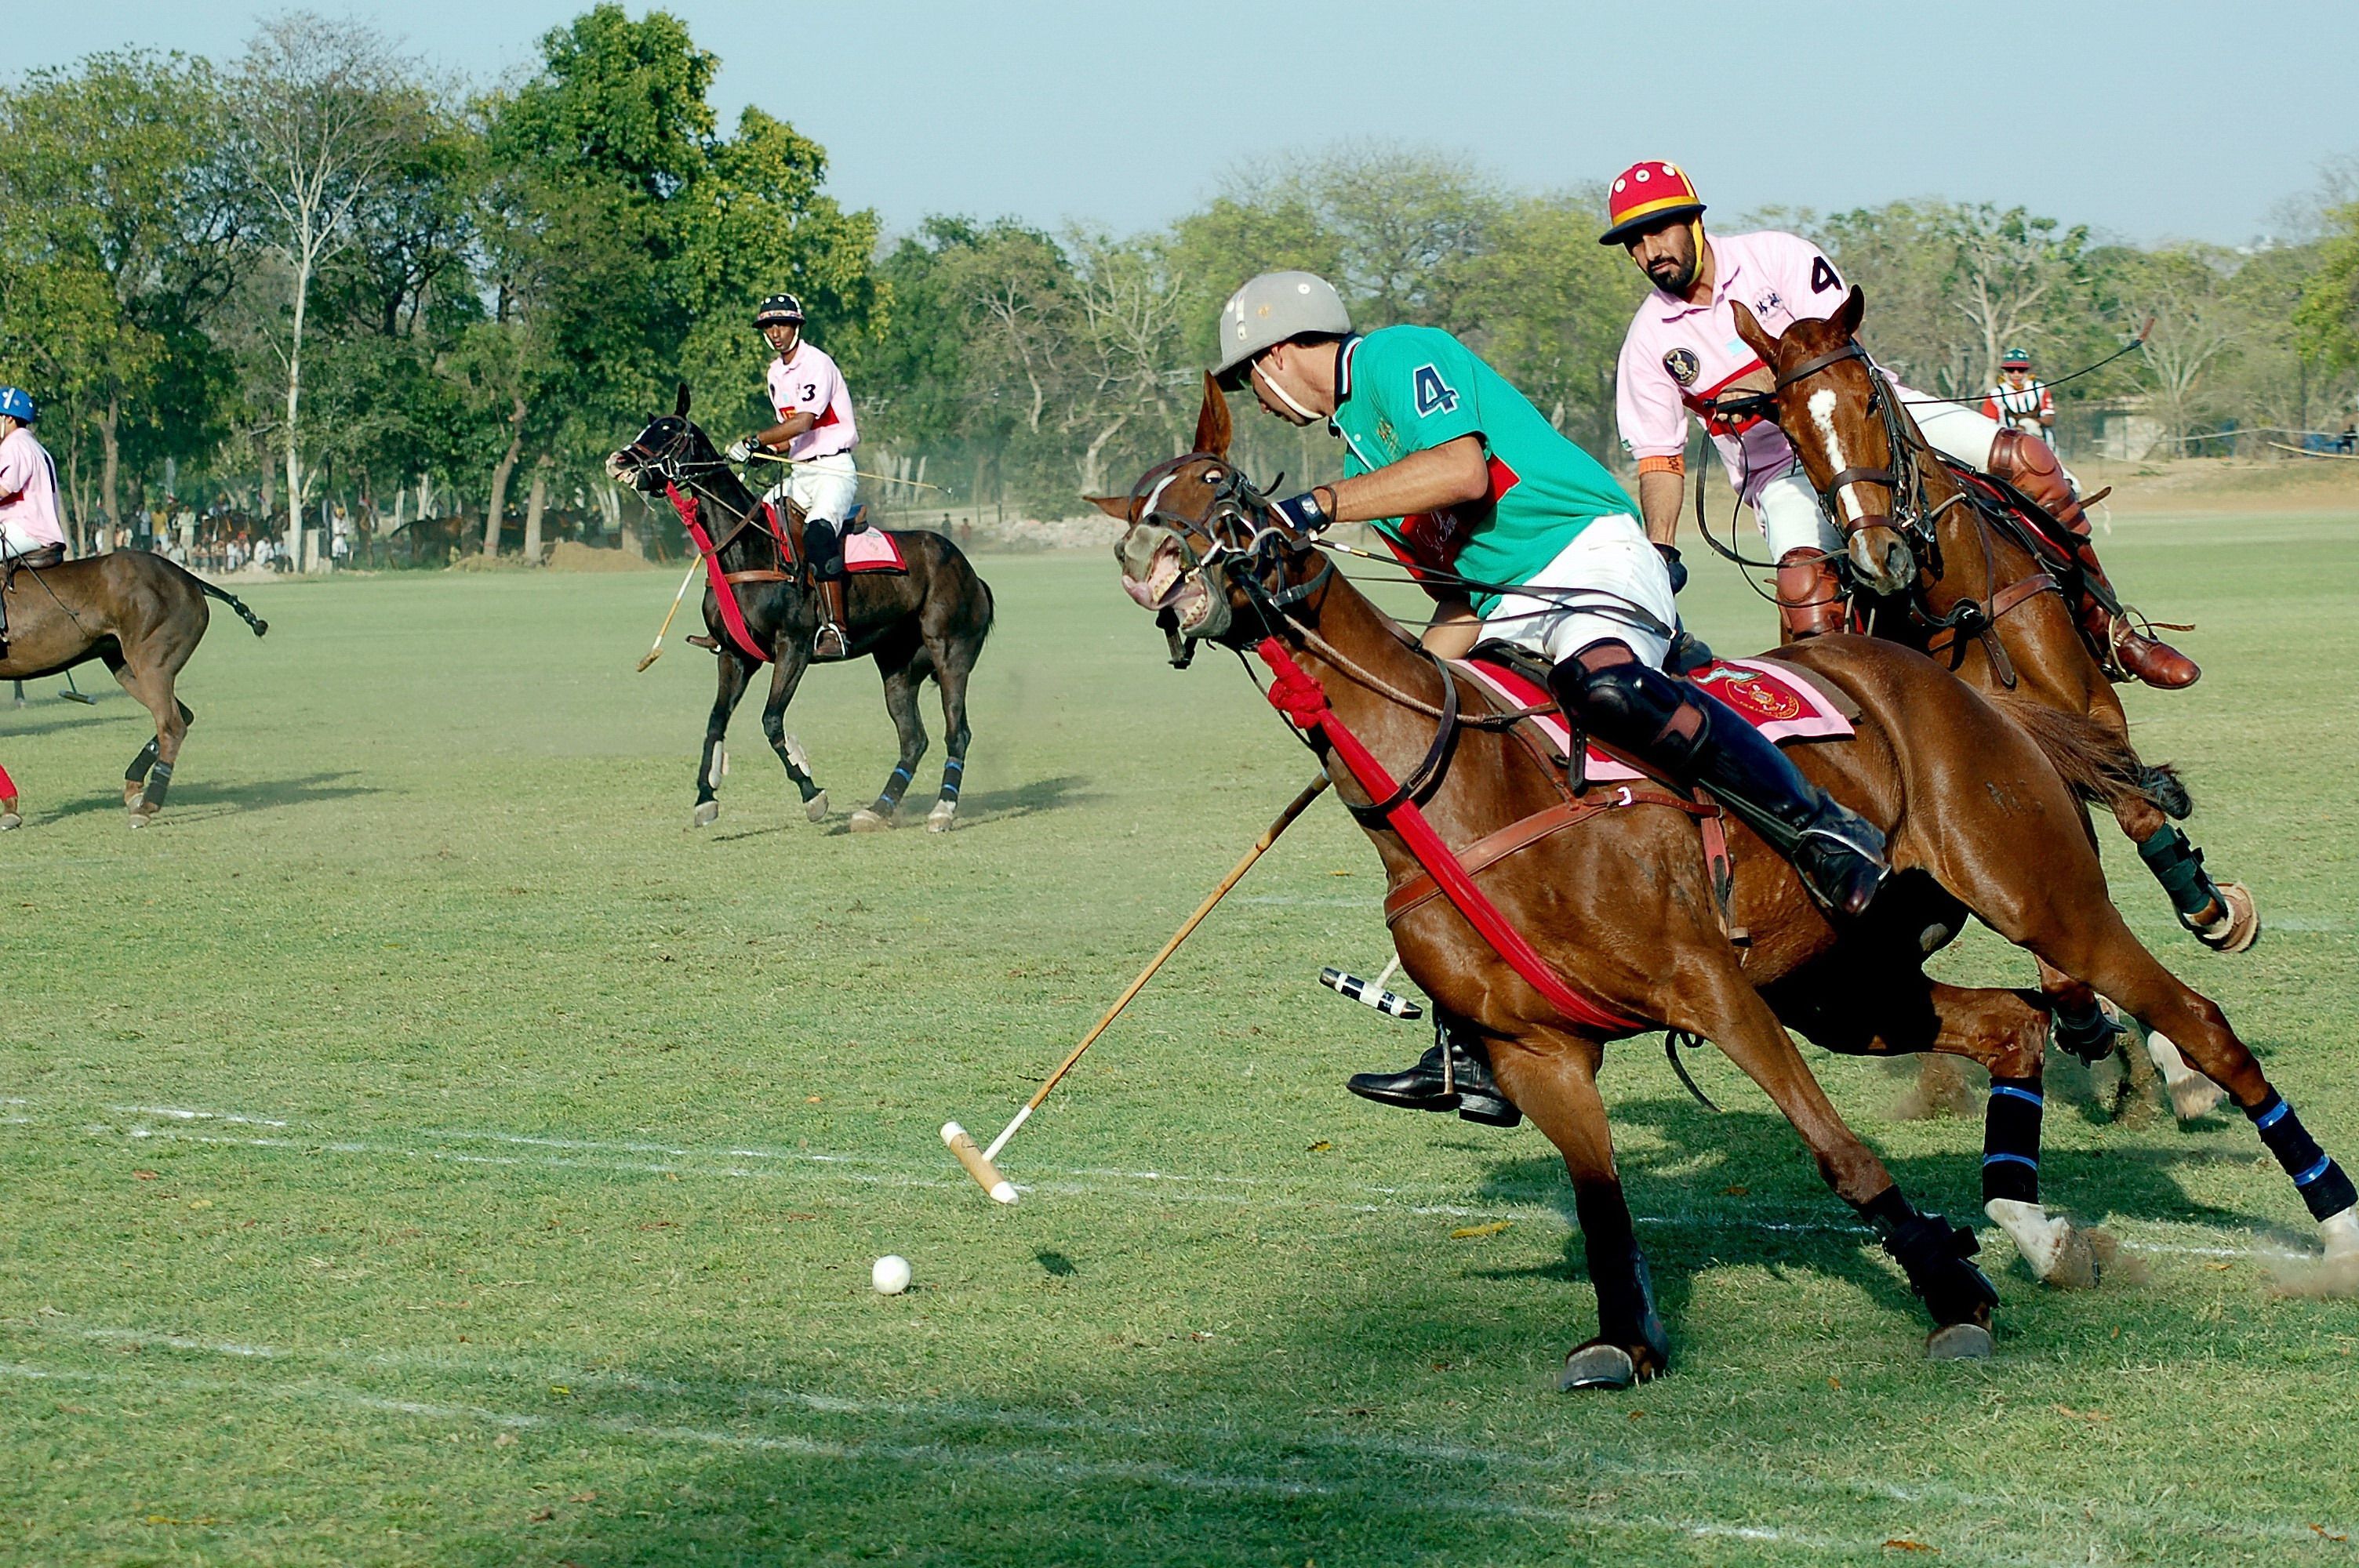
17 403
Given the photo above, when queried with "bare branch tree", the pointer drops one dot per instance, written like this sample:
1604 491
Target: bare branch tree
316 112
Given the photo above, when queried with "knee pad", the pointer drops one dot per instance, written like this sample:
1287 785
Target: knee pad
824 547
2027 463
1619 698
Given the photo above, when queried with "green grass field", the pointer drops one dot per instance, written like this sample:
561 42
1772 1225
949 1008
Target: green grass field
421 1148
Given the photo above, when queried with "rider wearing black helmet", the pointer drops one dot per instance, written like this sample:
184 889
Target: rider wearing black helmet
816 432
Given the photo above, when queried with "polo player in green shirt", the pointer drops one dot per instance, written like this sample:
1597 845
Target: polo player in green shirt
1520 536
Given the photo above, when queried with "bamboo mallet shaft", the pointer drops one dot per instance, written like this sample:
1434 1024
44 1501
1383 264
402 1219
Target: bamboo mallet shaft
991 1184
657 648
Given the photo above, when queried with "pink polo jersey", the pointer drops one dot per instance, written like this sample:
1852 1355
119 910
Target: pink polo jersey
28 494
807 382
1678 355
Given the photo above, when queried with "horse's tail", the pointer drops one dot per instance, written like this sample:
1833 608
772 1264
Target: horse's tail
211 591
2101 766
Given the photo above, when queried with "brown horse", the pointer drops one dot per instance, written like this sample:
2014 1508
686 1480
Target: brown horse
929 620
1981 821
1937 568
140 614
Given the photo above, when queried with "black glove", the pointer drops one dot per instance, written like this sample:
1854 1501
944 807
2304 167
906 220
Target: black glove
1303 513
1671 563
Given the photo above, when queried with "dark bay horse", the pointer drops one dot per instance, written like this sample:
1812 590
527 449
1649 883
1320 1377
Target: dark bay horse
1932 569
1981 821
931 622
140 615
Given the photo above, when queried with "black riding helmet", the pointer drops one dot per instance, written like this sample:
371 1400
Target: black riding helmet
779 310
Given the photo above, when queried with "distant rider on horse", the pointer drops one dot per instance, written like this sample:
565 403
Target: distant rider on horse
31 532
1521 536
816 431
2020 401
1682 352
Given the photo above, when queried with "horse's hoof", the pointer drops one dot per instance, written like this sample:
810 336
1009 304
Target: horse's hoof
939 819
2193 1096
866 821
142 819
1597 1366
816 807
2238 928
706 814
131 794
1958 1342
9 819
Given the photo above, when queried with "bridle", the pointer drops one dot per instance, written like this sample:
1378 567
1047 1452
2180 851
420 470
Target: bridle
1241 532
1901 478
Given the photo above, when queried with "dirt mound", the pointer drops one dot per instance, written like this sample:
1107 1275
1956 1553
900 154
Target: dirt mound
572 556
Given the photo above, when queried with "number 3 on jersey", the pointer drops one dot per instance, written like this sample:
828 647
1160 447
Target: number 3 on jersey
1433 393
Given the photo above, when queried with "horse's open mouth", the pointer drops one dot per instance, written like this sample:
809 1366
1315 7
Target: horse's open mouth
1173 587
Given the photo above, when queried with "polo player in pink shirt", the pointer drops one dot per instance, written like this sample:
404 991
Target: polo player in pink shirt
31 532
1682 352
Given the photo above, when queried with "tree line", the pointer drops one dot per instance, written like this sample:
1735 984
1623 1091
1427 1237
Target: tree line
316 277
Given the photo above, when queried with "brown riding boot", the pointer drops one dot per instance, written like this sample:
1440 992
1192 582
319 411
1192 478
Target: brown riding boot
2025 461
1810 595
832 642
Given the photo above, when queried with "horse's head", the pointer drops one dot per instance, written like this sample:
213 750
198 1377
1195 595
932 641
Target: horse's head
1203 550
1840 417
671 445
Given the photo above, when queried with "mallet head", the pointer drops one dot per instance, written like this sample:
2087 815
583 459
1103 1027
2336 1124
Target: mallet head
986 1174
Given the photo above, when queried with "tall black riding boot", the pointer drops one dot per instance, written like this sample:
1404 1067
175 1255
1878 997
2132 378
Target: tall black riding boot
1695 739
1452 1075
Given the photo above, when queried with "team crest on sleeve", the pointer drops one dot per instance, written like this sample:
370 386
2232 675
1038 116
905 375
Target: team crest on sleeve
1434 395
1770 302
1684 365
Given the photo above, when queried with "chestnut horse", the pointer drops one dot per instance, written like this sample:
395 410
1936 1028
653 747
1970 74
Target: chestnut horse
1933 569
931 620
140 615
1972 791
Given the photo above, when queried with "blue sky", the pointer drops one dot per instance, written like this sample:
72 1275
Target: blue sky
2154 120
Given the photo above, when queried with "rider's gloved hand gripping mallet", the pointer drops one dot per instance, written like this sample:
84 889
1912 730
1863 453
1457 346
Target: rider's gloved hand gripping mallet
978 1162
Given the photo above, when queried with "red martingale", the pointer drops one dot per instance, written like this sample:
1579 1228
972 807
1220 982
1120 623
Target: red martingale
732 617
1297 694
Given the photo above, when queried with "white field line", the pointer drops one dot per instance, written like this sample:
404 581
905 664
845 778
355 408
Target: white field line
1051 1464
869 1170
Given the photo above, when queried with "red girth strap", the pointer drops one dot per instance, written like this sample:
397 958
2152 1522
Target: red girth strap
1297 694
733 618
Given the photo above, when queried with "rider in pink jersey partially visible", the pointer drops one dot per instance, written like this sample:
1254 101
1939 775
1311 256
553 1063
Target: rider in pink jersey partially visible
1683 351
32 529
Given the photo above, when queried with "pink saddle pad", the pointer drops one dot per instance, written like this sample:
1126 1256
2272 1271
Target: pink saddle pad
873 550
1774 699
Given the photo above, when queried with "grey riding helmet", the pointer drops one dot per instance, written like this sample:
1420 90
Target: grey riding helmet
1270 310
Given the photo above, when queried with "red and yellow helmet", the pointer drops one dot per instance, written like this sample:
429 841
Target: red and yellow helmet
1644 195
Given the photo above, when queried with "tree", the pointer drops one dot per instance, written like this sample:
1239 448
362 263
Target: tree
116 195
2186 292
319 114
2010 274
1552 306
2328 320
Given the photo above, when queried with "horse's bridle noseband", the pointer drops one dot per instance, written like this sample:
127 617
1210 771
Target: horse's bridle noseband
1241 525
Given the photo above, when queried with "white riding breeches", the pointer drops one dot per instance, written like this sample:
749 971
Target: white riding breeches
1622 592
825 488
1788 510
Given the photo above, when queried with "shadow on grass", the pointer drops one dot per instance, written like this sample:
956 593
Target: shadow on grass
199 802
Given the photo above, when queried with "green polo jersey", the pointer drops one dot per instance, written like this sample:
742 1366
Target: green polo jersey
1409 389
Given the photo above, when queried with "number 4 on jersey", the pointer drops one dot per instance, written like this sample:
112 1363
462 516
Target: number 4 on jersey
1822 275
1433 393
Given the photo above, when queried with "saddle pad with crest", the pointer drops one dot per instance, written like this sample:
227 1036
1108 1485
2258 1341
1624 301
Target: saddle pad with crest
1775 699
873 550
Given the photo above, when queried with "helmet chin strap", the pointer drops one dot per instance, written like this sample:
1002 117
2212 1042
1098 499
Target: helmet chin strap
1307 417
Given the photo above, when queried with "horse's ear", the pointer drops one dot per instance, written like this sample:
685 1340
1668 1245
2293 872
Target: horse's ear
1212 427
1852 309
1750 330
1115 506
680 408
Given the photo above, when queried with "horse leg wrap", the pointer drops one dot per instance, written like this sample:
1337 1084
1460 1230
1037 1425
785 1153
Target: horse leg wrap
1933 1253
893 788
2321 1183
142 762
1617 1272
2011 1141
2177 865
2085 1031
160 779
953 774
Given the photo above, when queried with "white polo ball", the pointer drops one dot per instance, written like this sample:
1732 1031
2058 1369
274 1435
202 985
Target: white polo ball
890 1275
